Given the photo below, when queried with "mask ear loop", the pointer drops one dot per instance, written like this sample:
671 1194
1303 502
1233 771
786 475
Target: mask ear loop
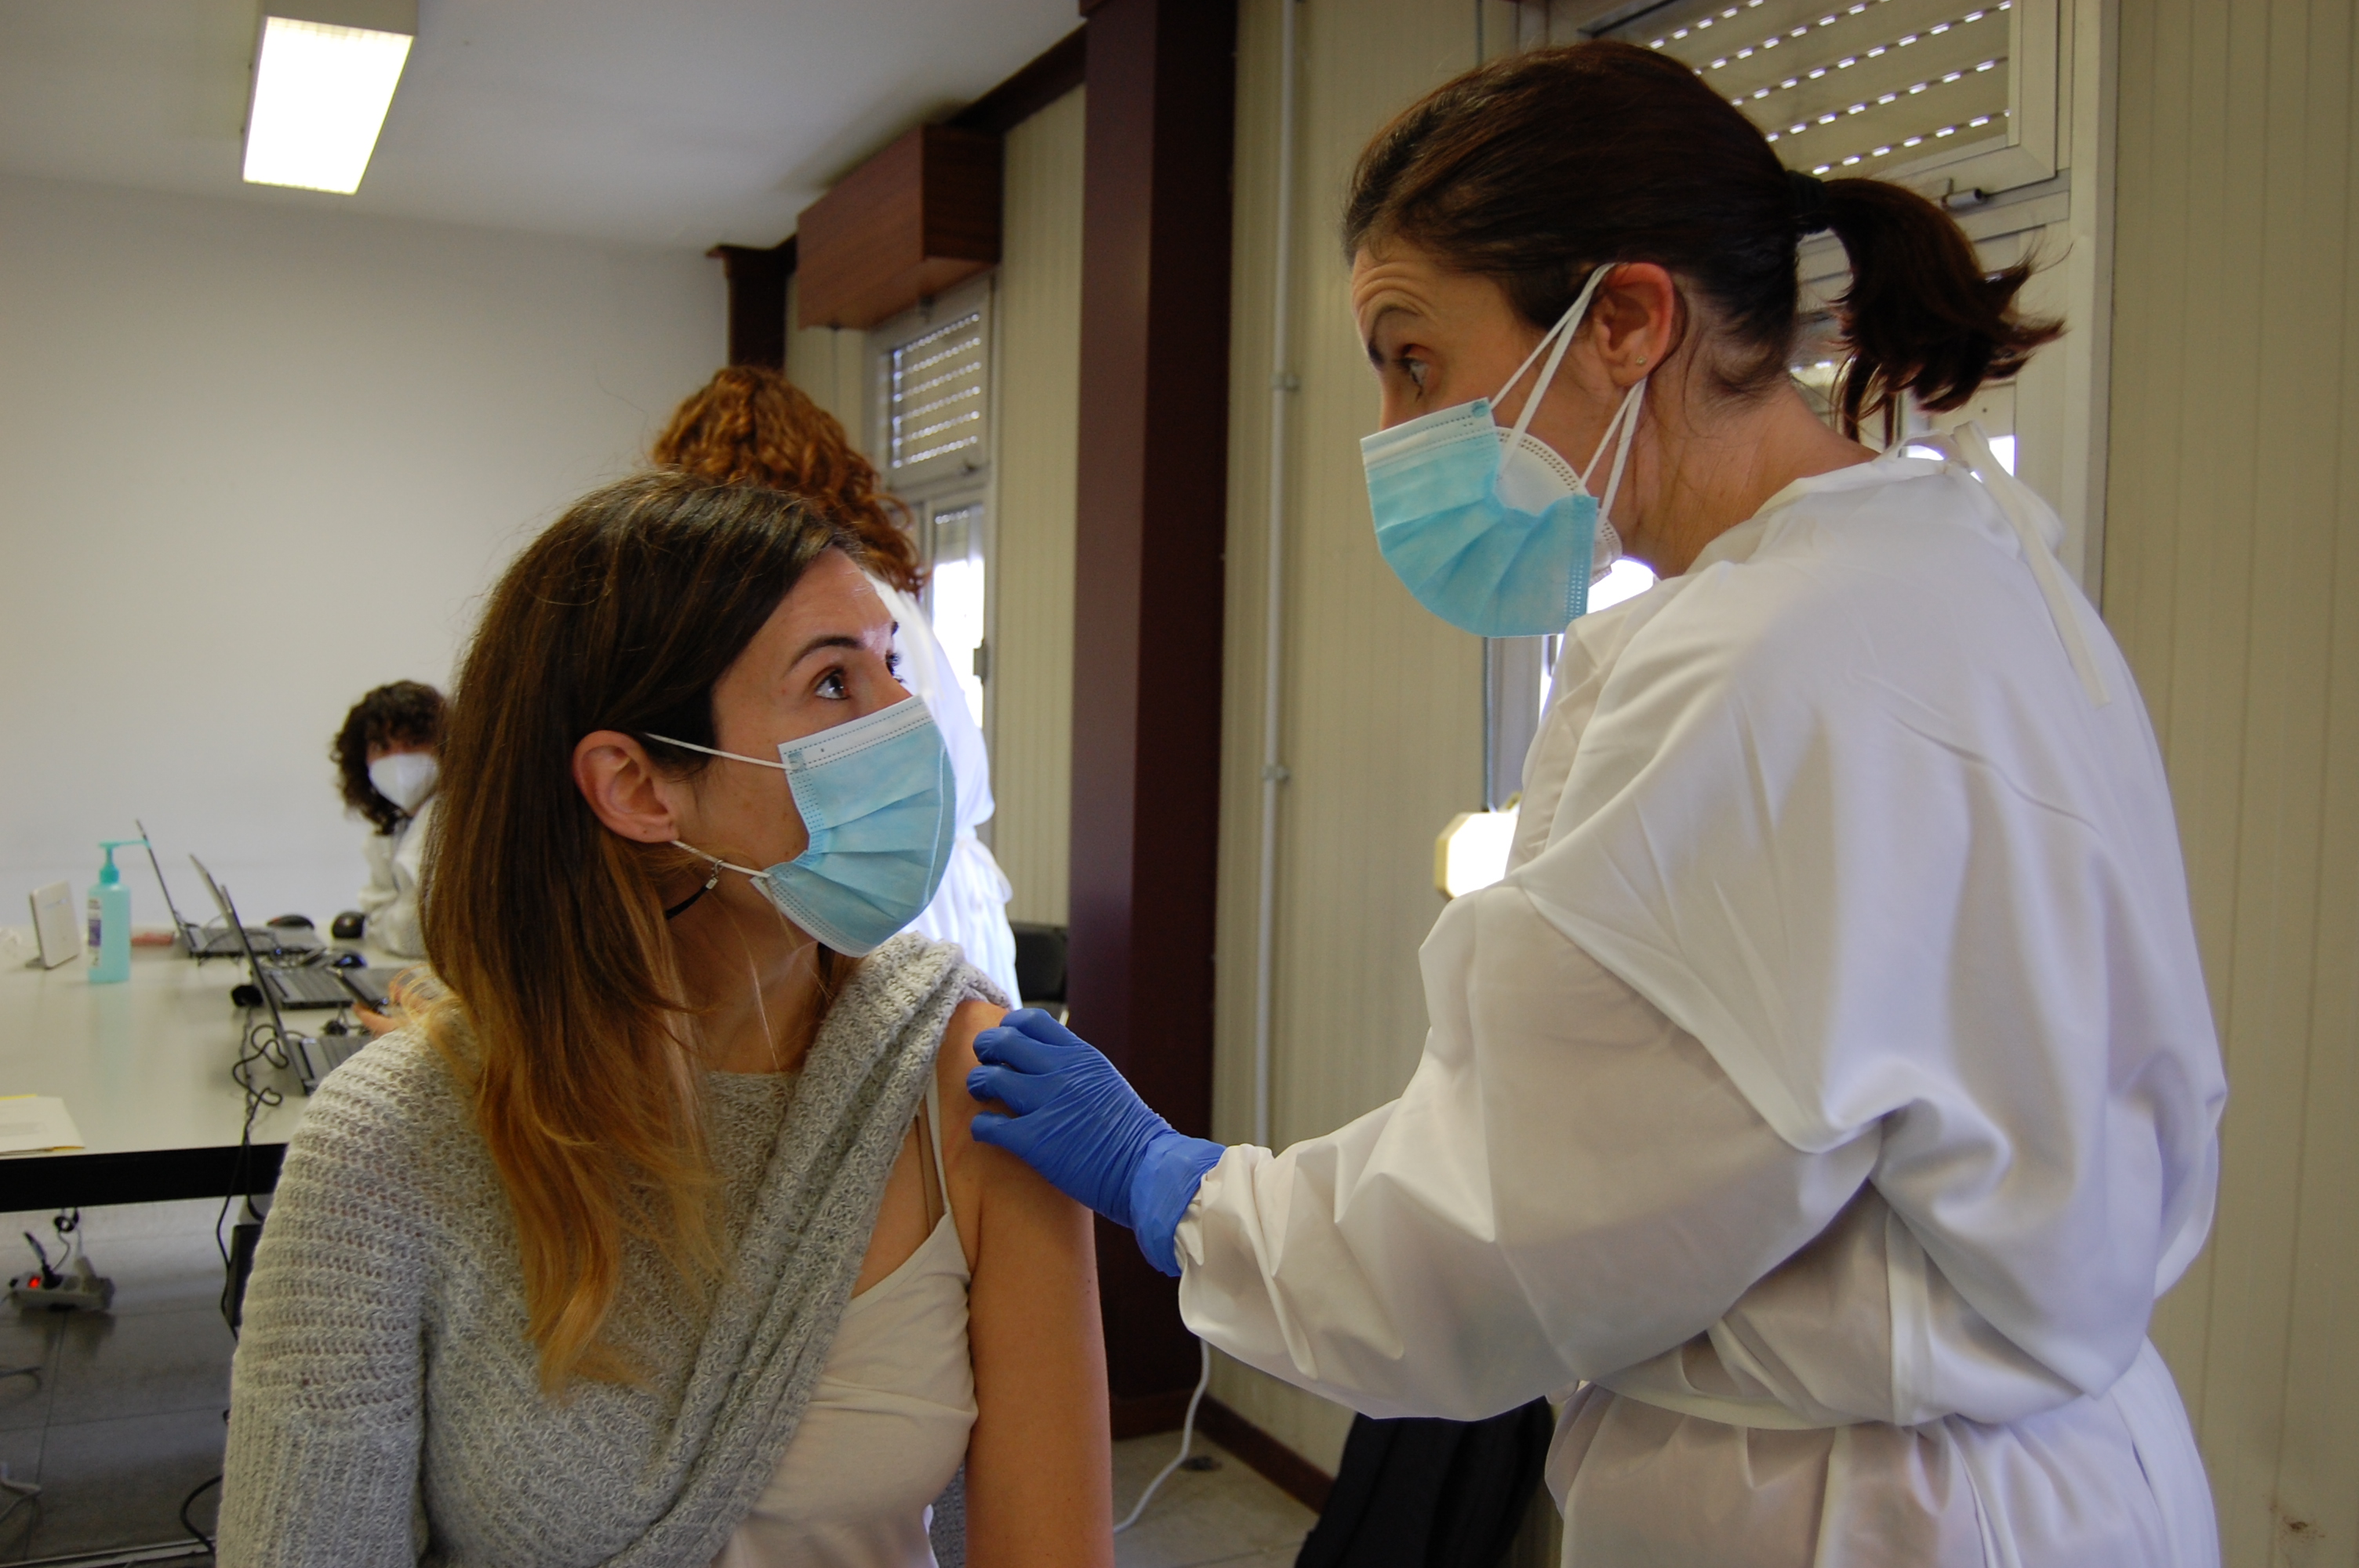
1625 421
1561 336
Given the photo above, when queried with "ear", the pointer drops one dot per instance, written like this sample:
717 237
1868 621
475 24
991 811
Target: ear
622 787
1635 319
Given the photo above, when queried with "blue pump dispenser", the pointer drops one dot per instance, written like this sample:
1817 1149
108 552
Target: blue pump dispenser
110 919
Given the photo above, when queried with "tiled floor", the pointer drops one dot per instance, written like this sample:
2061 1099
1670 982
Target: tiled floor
1228 1515
125 1416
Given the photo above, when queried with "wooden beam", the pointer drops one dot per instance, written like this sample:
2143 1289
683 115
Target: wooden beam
757 300
1152 520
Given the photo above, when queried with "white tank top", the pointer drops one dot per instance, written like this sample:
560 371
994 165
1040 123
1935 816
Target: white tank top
887 1425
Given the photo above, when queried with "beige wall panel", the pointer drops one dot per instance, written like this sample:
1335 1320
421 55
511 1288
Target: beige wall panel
1381 705
827 364
2232 541
1039 322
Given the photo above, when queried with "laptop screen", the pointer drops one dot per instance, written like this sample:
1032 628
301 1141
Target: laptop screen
252 963
188 932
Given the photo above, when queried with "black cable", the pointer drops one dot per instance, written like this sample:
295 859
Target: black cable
257 1046
191 1502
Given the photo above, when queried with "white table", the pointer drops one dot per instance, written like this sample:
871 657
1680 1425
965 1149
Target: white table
144 1068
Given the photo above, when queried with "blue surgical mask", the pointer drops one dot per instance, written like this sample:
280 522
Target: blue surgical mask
1489 527
875 795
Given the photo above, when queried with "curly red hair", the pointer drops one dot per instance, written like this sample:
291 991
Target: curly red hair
750 424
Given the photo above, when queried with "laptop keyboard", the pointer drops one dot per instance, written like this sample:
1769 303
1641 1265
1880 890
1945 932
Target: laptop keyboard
307 987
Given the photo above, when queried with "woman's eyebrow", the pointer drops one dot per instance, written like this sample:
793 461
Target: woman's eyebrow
832 640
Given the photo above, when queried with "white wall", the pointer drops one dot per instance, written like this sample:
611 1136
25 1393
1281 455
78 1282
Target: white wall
257 461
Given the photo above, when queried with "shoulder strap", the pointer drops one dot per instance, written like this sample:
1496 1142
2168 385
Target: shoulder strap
934 1136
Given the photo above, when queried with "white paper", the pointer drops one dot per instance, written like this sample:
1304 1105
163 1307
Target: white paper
32 1122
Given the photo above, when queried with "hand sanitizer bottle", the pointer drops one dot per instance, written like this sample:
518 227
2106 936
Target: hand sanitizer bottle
109 920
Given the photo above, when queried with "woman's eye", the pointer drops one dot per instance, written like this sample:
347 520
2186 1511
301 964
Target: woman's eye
1414 368
893 666
830 685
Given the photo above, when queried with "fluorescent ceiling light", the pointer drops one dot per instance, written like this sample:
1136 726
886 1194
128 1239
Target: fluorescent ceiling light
319 96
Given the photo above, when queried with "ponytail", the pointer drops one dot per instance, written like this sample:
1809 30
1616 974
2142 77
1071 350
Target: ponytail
1539 168
1921 317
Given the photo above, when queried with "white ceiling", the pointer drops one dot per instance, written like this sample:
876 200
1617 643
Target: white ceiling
677 123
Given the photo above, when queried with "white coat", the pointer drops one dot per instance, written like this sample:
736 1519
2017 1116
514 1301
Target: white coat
971 906
1823 1098
396 864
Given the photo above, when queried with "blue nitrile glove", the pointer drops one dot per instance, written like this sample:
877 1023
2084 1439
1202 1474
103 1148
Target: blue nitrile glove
1081 1126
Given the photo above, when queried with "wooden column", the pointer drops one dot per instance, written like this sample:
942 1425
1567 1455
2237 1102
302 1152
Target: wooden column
757 300
1146 622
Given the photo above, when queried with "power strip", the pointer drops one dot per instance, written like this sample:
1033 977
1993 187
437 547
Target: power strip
83 1290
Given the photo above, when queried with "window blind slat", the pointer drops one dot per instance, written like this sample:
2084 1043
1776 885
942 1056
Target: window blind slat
934 393
1852 88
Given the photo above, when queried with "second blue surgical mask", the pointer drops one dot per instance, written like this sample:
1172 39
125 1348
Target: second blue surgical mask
876 796
1489 527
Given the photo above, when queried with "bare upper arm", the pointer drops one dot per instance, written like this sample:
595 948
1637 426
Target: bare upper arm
1039 1482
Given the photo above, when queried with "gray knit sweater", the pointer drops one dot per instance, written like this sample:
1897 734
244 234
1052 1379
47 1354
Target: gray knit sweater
385 1406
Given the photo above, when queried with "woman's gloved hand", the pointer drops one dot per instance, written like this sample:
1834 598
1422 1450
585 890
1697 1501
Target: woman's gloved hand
1081 1126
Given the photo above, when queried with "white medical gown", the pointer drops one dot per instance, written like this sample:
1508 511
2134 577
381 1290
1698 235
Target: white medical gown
971 906
1823 1100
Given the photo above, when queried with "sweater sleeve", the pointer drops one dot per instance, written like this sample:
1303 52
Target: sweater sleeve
326 1396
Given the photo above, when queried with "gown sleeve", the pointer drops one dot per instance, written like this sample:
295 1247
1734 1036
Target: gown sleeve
1570 1186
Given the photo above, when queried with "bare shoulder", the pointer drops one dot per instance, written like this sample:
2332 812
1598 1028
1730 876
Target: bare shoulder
973 1170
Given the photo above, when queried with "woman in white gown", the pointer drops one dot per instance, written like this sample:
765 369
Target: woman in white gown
751 424
1823 1100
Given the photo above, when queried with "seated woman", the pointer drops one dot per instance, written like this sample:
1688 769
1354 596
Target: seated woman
661 1238
386 762
750 424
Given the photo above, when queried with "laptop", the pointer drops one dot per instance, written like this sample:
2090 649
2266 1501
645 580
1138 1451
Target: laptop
291 986
372 986
200 942
312 1059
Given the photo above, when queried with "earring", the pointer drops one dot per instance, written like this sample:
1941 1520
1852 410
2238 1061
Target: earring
1642 359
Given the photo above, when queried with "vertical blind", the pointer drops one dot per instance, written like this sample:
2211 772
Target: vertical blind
1850 88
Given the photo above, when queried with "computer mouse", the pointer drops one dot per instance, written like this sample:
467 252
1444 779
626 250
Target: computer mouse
348 926
345 958
291 922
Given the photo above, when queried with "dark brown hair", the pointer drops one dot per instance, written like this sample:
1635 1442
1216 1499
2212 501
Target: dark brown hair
1542 166
750 424
565 1014
404 710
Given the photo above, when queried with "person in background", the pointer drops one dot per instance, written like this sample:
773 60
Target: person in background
386 764
750 424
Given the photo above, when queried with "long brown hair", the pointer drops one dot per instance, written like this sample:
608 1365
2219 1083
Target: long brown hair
566 1018
750 424
1540 166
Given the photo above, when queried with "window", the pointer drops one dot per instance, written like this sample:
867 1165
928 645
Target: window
935 397
1962 88
957 594
932 403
